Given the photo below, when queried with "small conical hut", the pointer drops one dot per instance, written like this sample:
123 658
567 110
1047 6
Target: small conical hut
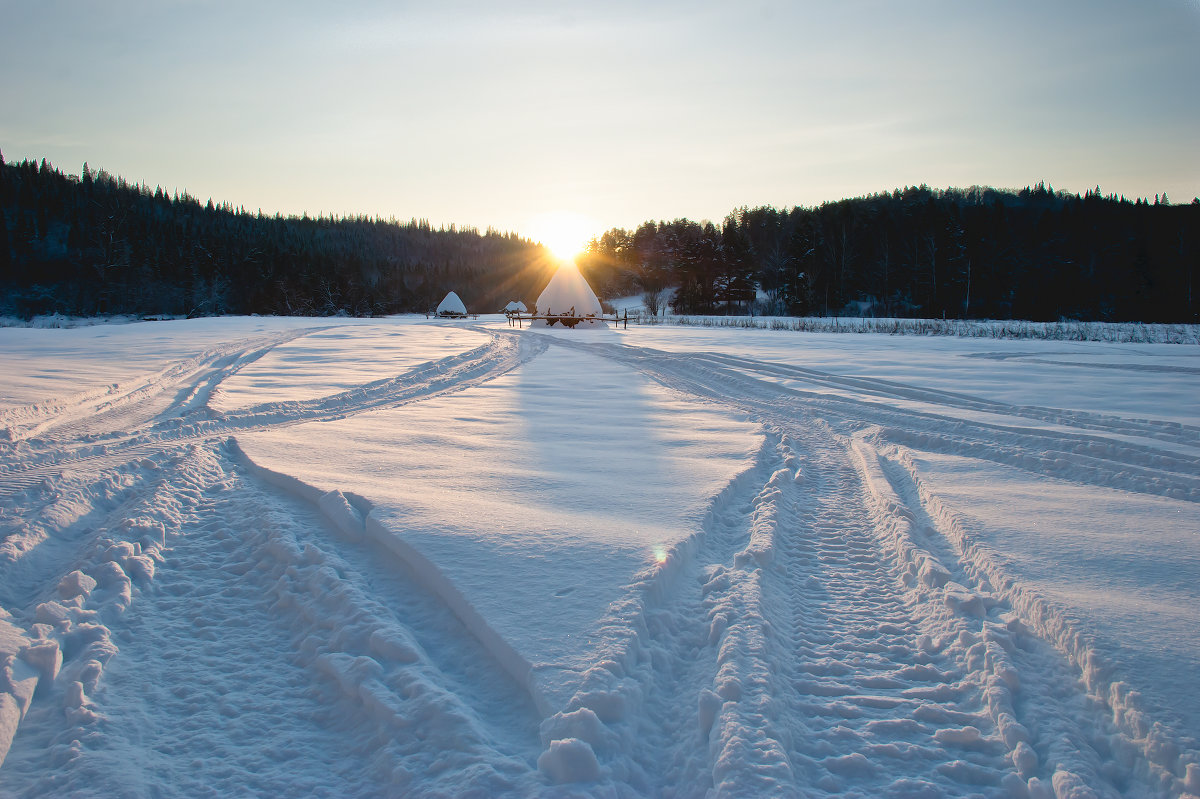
452 306
568 294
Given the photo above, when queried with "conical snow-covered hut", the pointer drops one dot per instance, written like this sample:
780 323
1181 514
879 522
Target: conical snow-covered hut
452 307
568 295
516 306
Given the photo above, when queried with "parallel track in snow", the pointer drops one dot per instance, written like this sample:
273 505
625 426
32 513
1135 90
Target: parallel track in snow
823 634
258 609
1107 451
848 642
286 615
150 420
174 391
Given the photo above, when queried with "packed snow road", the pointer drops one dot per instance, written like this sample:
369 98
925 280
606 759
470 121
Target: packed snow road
362 557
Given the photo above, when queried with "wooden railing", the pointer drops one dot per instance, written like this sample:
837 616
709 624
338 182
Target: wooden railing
516 319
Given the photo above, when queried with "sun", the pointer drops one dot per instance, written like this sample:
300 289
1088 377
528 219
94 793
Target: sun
564 233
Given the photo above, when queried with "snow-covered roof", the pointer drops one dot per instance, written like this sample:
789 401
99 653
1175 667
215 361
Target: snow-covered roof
567 290
516 305
451 305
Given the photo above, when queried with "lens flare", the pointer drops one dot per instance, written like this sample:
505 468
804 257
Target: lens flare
564 233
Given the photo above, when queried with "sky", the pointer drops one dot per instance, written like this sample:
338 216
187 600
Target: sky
505 115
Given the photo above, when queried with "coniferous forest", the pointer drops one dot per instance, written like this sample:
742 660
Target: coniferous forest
95 244
978 253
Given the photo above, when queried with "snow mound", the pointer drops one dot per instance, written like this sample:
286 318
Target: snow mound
568 290
452 305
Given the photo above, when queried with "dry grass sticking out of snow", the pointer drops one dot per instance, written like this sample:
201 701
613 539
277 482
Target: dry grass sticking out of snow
1114 332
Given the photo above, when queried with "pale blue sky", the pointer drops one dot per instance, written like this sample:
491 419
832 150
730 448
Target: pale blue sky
485 113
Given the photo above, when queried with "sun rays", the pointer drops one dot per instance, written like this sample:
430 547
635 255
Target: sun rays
564 233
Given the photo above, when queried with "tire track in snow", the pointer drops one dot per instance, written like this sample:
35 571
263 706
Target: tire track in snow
1109 738
239 605
1173 432
176 390
1055 740
1118 453
779 655
890 706
69 504
835 676
26 465
924 662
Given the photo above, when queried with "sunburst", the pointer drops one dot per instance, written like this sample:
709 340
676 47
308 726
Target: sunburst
564 233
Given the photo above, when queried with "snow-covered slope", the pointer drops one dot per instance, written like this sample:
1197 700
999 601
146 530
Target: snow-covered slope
365 557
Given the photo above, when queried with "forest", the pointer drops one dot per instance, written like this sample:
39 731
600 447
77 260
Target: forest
1033 254
94 244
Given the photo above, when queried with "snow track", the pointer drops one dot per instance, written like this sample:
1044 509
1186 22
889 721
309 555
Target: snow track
161 413
1114 452
808 649
101 493
173 622
251 607
175 391
858 643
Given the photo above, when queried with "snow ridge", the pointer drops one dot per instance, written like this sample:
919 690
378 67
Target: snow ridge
353 655
354 519
1132 735
994 647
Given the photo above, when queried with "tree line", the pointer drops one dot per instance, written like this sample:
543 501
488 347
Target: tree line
95 244
1033 254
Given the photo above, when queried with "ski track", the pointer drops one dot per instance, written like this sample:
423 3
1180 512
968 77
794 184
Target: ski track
828 631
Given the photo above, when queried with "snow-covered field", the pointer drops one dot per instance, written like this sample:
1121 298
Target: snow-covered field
335 557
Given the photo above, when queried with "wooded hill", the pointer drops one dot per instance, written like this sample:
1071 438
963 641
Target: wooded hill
95 244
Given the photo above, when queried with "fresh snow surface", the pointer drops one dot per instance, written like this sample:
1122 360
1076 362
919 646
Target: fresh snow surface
401 557
328 362
538 494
